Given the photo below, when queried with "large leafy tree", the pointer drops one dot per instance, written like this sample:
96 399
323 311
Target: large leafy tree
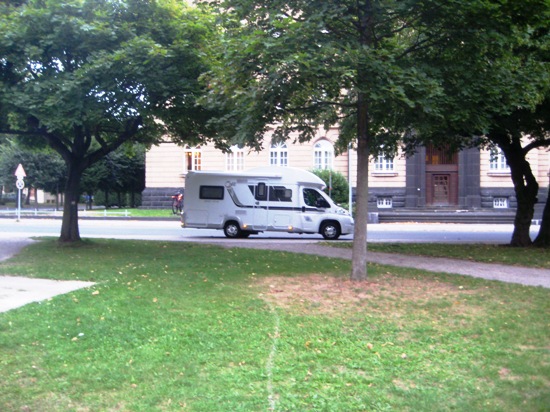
384 71
495 73
86 76
294 66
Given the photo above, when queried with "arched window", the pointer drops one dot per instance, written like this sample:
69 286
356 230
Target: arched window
323 155
278 154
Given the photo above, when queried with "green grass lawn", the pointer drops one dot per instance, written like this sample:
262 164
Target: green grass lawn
180 326
151 212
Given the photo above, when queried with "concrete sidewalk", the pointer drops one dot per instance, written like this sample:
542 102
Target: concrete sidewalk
18 291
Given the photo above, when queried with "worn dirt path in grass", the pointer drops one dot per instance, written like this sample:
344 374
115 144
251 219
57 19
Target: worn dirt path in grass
503 273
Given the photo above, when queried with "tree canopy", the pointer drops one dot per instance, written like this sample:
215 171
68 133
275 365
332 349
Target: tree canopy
295 66
86 76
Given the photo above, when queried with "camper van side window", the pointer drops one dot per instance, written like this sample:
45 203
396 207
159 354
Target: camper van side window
280 194
261 191
211 192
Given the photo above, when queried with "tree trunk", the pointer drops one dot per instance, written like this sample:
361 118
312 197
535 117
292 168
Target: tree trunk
522 225
543 238
69 226
359 252
525 183
526 188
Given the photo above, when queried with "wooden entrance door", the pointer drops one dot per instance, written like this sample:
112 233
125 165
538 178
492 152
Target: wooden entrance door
441 177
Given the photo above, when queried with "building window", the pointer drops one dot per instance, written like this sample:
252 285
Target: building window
192 159
278 155
498 161
323 154
384 202
383 164
500 202
234 160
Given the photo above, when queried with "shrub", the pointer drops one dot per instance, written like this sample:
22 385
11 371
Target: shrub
337 185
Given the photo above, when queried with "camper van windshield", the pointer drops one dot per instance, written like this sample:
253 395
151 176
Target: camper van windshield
313 198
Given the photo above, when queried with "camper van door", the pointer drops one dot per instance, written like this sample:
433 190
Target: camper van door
313 204
261 205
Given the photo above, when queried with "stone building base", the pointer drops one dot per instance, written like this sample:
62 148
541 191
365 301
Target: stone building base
159 197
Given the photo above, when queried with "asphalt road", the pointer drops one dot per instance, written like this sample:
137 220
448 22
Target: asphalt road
171 230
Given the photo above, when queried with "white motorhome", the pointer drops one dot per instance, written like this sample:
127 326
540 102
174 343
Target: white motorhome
281 199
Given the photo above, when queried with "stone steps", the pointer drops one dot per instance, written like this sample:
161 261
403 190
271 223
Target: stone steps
447 217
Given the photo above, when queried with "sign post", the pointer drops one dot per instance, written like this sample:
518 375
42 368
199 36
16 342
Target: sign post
20 184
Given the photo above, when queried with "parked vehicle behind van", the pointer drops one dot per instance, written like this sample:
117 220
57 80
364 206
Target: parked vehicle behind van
279 199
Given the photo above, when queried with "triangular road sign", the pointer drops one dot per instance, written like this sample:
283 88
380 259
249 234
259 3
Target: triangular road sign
20 172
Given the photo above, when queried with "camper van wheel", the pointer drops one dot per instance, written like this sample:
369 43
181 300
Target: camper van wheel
330 230
232 230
